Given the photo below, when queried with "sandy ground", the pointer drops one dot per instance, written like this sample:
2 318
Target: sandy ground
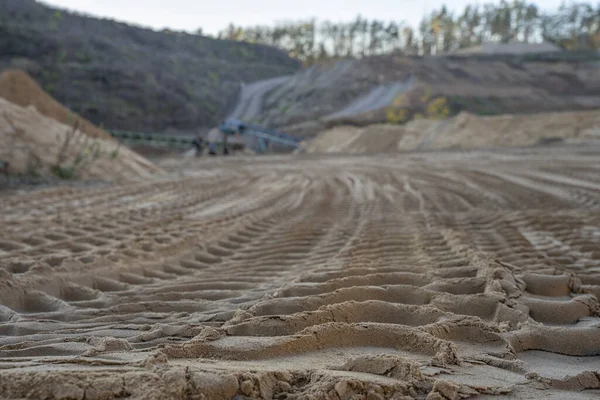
429 275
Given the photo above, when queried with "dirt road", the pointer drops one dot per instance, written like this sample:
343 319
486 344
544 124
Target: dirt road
251 97
443 274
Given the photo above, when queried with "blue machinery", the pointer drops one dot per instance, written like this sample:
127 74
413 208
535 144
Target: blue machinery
256 137
265 139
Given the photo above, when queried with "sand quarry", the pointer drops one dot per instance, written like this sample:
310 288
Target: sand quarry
428 275
441 275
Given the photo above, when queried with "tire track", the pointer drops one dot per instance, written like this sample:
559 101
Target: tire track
349 276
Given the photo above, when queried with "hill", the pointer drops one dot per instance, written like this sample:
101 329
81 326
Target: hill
362 92
126 77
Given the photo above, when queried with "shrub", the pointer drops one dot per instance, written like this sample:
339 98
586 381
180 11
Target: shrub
417 104
438 108
397 116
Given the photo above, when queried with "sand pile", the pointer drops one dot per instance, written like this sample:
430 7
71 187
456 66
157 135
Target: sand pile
37 145
350 139
18 88
464 131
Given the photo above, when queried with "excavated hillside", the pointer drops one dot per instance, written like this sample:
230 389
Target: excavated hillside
359 91
126 77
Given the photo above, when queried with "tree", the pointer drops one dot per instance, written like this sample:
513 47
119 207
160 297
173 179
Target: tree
375 37
390 37
530 21
574 26
232 33
409 44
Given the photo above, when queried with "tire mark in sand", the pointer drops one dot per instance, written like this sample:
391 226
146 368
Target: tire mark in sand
438 276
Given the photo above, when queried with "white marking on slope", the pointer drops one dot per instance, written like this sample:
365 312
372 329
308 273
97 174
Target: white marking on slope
379 97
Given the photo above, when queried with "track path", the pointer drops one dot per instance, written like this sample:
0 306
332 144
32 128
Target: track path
252 96
440 274
379 97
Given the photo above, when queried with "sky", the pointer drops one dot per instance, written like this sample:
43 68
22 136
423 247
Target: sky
214 15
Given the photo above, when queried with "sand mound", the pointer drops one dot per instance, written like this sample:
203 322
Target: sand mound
350 139
18 88
463 131
35 144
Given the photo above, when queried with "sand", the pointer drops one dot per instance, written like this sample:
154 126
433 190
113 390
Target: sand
435 275
18 88
465 131
35 145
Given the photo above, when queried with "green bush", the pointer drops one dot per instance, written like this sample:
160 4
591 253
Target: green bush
418 104
65 172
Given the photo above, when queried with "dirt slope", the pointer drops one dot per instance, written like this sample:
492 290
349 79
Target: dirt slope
464 131
441 275
141 79
17 87
483 85
251 98
379 97
510 48
35 144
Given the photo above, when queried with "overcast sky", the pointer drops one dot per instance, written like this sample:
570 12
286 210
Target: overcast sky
214 15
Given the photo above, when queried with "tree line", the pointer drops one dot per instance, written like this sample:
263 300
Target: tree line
573 26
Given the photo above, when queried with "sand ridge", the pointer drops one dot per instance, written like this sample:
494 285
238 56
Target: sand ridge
438 276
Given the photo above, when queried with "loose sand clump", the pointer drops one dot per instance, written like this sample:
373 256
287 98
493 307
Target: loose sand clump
465 131
34 144
18 88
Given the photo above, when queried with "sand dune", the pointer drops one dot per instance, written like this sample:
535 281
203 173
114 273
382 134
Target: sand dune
438 276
